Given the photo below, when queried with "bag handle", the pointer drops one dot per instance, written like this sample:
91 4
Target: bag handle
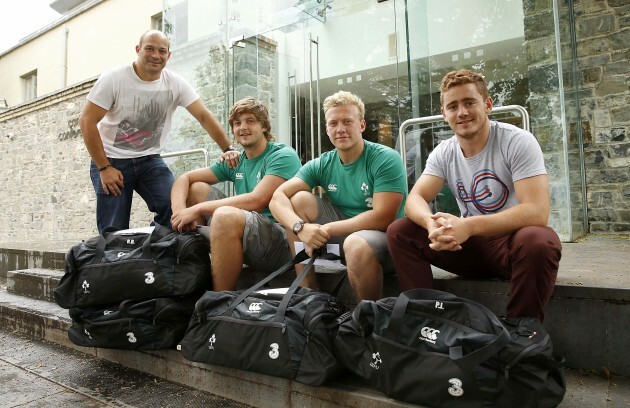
102 243
299 257
321 253
284 304
456 353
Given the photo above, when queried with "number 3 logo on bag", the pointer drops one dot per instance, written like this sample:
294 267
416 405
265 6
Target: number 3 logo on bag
149 279
274 353
456 389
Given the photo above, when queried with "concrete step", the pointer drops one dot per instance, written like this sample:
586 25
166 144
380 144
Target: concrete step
35 283
576 313
42 320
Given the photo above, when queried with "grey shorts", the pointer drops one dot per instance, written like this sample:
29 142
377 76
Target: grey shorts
376 239
265 245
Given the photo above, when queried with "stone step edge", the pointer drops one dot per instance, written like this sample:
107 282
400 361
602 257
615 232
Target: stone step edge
444 281
43 320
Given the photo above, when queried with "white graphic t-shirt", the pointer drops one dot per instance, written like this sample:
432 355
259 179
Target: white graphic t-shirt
484 184
139 114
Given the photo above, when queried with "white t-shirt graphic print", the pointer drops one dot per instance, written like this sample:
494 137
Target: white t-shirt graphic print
139 114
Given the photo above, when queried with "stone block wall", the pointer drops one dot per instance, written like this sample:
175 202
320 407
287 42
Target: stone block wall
603 57
45 191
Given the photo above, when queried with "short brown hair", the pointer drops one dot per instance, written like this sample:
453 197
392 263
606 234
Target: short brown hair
344 98
461 77
260 112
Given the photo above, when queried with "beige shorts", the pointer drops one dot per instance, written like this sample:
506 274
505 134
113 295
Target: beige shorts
376 239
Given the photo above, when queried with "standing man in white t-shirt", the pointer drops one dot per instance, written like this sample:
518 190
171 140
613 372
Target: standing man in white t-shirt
125 125
497 173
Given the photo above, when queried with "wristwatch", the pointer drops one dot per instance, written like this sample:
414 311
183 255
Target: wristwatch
297 227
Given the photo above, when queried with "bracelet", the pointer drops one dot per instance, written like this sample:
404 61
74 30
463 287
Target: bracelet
230 148
100 169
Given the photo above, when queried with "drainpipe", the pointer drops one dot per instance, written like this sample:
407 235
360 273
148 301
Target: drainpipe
64 55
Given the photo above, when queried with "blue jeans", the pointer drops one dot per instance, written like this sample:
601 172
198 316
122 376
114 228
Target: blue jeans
149 176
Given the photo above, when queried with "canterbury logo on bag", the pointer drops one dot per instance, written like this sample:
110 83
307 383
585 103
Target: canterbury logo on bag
255 307
429 334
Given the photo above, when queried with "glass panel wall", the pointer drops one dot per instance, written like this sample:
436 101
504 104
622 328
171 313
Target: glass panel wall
291 54
514 44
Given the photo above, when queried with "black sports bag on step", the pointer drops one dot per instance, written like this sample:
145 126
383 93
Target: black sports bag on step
438 350
281 334
131 264
152 324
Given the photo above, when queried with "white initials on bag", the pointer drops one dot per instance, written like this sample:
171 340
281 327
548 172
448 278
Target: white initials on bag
439 305
131 337
274 353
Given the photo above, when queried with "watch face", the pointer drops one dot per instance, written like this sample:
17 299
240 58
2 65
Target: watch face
297 227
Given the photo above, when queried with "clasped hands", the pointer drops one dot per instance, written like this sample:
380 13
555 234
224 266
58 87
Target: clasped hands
447 232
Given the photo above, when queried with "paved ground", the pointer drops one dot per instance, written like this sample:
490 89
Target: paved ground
35 373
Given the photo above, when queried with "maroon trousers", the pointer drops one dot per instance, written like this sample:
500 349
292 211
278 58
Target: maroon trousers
529 258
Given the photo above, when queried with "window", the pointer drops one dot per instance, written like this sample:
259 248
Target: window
157 21
29 85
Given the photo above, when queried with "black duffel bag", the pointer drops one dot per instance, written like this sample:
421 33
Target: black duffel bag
152 324
285 335
435 349
132 265
530 371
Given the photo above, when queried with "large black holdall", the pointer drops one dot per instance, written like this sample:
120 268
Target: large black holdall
152 324
131 265
439 350
286 335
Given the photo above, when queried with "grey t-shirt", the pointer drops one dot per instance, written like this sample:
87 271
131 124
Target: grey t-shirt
484 184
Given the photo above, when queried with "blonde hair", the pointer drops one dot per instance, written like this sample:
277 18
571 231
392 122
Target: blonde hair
260 112
461 77
342 98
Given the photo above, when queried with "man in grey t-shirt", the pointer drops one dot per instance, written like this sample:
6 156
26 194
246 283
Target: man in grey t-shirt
497 174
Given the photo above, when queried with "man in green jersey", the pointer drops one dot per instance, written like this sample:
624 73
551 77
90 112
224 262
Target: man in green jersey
366 188
242 228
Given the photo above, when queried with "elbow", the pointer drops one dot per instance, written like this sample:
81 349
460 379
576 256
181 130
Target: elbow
258 204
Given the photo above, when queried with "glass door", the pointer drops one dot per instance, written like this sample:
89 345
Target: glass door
300 54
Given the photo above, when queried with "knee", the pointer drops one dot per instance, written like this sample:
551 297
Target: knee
402 229
227 221
358 252
305 205
197 193
539 242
